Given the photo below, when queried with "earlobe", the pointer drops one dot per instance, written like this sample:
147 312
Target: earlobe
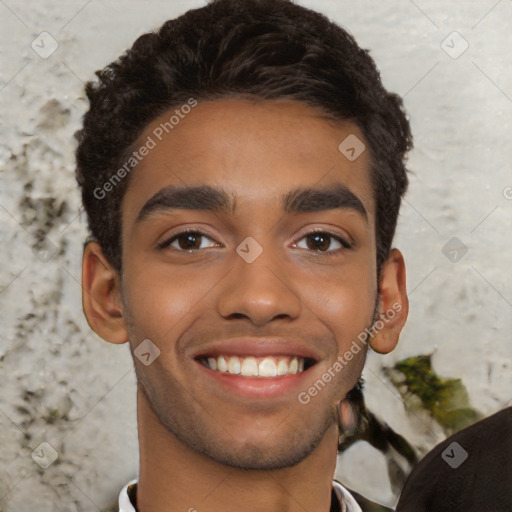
101 296
393 304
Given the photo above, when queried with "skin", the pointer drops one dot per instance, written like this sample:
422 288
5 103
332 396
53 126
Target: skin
203 446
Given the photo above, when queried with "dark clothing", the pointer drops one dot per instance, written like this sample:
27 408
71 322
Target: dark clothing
470 471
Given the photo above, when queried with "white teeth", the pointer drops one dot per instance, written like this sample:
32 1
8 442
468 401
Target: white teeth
234 365
249 367
267 368
282 367
222 366
256 367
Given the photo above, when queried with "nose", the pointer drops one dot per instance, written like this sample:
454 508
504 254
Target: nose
260 290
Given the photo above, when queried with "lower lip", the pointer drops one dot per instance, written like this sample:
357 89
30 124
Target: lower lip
260 387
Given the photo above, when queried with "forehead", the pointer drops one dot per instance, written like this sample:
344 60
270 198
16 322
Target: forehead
257 151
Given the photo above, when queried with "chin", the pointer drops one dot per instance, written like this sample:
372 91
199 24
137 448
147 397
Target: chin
252 457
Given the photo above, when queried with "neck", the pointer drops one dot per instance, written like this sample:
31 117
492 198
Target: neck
175 478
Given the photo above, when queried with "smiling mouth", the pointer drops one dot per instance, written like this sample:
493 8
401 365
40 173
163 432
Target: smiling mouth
250 366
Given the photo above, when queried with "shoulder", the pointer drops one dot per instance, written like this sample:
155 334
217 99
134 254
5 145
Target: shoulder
481 454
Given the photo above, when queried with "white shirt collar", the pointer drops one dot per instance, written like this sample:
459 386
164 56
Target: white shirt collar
348 502
125 505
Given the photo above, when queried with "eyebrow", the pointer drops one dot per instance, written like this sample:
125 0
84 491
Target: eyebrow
219 200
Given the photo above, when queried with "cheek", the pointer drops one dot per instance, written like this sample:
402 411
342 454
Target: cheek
164 300
344 303
350 316
159 298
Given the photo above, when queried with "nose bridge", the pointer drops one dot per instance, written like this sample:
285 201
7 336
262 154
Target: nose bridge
257 285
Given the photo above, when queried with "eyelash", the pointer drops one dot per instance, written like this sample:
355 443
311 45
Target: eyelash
345 245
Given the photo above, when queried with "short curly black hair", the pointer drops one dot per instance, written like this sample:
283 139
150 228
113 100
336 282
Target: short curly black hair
264 49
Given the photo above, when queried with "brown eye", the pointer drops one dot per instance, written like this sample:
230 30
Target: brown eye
187 241
320 241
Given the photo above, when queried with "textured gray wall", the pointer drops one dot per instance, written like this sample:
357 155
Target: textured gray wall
62 385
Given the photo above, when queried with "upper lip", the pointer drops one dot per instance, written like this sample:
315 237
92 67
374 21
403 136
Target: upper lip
257 347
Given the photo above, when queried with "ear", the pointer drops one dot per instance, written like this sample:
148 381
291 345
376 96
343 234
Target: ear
101 296
393 304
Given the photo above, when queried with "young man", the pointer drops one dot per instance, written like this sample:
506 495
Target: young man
242 171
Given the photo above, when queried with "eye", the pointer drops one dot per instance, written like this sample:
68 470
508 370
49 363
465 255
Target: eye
187 241
321 240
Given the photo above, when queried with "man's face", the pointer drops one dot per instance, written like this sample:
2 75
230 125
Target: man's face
306 294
